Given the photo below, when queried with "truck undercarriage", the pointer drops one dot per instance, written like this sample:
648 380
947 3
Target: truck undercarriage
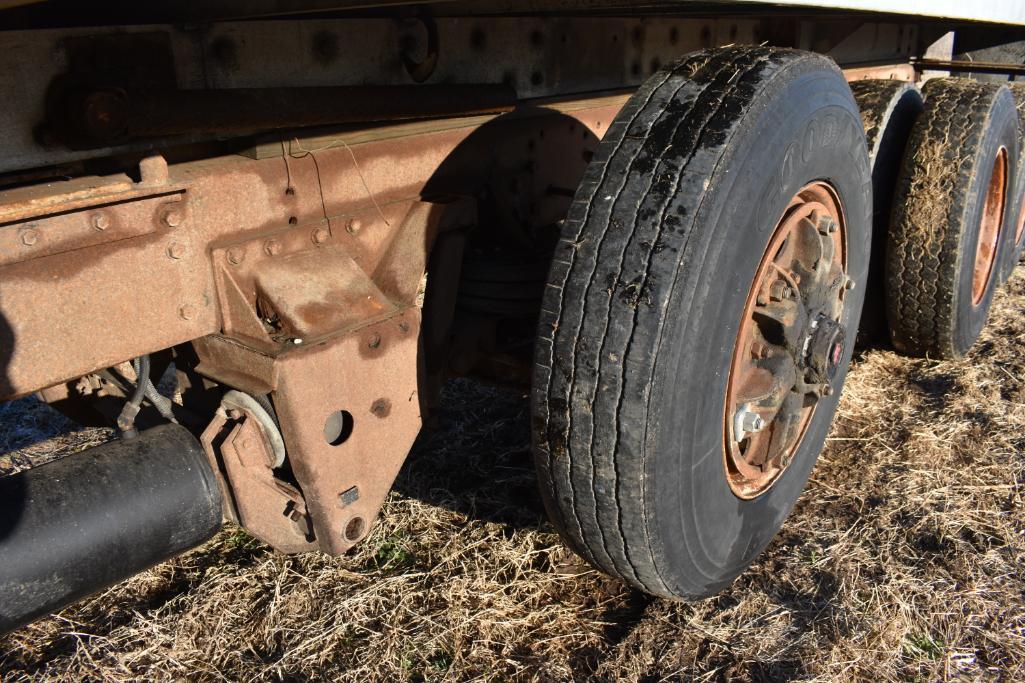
311 215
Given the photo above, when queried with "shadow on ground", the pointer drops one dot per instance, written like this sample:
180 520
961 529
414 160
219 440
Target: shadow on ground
475 457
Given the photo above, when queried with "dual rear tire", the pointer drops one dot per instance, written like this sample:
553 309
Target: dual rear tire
954 217
702 304
649 464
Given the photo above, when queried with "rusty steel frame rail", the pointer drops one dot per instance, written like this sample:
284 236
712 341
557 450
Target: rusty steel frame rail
296 270
966 66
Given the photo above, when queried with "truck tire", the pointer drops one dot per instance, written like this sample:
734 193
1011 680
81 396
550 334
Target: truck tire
652 329
950 213
888 111
1016 238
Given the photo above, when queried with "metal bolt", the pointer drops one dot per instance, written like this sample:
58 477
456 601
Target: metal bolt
173 218
753 422
353 226
849 284
779 290
320 235
746 422
176 250
29 236
375 341
236 255
827 225
272 247
187 312
826 390
101 222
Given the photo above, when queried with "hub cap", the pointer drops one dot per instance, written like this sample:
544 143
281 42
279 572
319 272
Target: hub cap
989 230
791 342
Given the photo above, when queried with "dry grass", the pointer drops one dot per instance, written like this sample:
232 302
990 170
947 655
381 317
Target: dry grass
903 561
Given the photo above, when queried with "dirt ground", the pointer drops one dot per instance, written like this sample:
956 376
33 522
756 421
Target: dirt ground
904 560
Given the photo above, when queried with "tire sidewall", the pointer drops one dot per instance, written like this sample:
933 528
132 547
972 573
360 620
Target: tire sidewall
1017 204
1002 131
805 127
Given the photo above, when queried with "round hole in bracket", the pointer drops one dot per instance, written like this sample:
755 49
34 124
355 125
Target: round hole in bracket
338 427
354 529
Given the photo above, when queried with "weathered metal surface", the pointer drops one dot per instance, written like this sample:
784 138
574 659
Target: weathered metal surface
297 276
270 509
99 225
969 67
537 56
107 115
368 378
888 72
75 298
31 201
789 342
371 374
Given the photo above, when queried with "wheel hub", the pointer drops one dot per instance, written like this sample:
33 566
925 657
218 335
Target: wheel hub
825 350
791 342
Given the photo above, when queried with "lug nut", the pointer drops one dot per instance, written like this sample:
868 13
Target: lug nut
747 422
753 422
101 222
320 235
236 255
353 226
272 247
779 290
29 236
827 225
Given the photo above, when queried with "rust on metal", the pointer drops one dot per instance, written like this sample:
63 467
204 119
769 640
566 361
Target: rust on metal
35 201
887 72
969 66
789 343
75 298
348 375
992 220
269 508
296 275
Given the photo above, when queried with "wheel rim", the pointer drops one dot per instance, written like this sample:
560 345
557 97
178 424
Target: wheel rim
1020 228
989 230
791 341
